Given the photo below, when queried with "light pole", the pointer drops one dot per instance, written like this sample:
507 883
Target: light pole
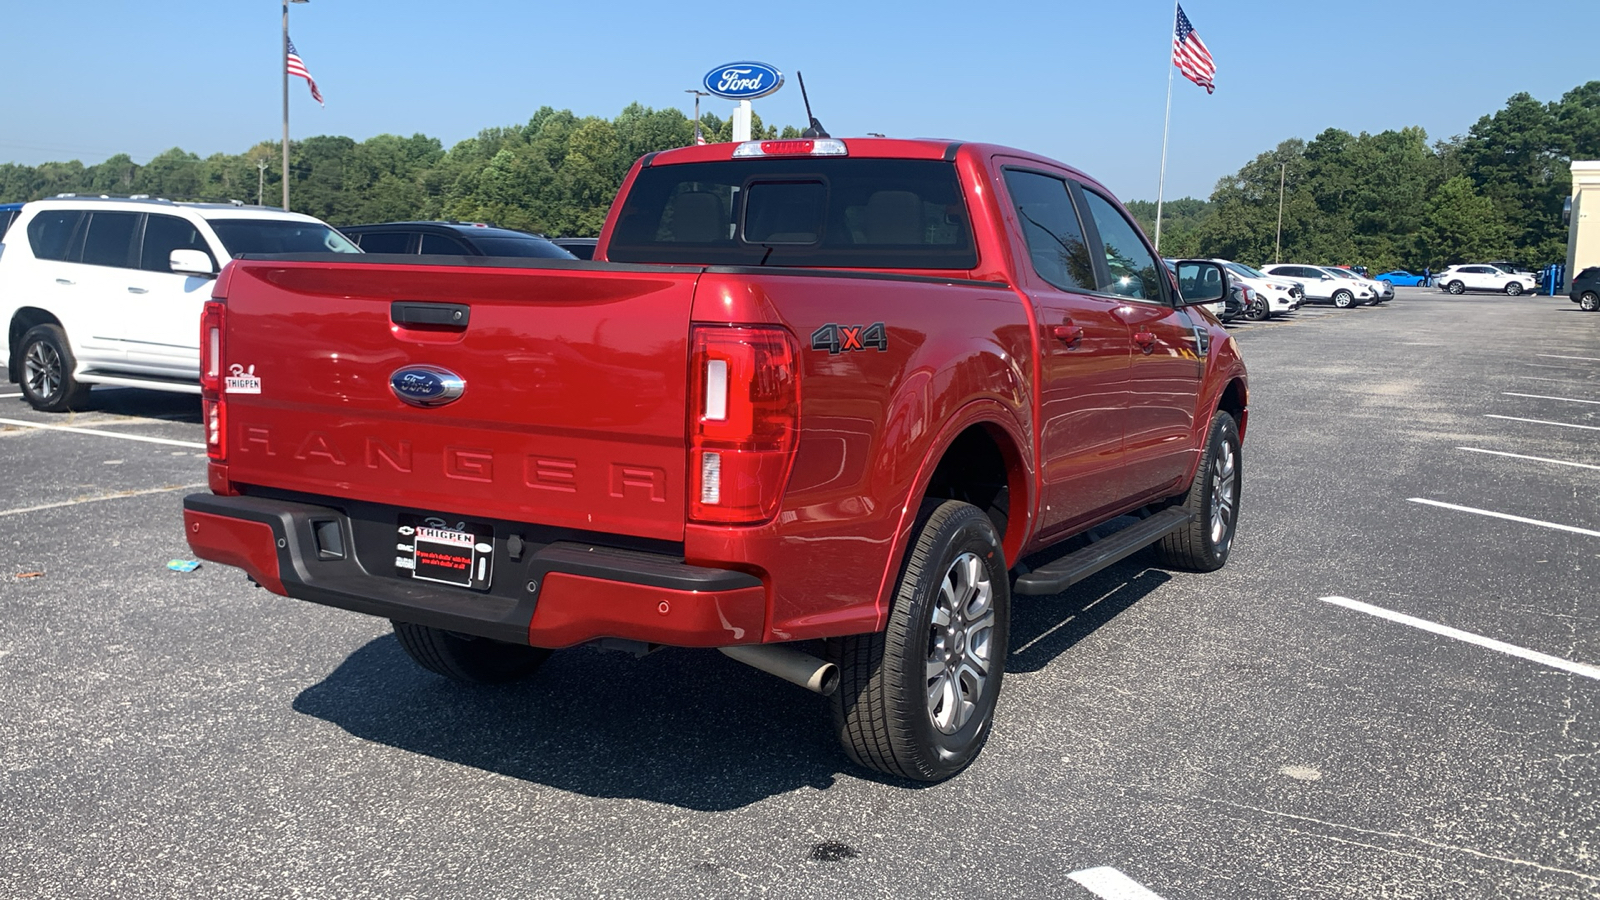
1277 246
697 95
285 68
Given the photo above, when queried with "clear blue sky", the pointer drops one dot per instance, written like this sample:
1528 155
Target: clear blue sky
1082 82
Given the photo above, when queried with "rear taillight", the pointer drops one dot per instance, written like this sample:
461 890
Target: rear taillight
213 400
744 422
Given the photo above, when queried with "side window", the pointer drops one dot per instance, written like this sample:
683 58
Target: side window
1050 224
164 234
438 243
110 239
50 232
1134 272
385 241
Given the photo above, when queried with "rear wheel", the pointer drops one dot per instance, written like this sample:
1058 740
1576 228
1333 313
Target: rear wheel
1456 287
47 367
1343 299
468 659
1589 302
917 700
1513 289
1213 500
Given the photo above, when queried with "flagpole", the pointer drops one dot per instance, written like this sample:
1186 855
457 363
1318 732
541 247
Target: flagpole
285 64
1166 127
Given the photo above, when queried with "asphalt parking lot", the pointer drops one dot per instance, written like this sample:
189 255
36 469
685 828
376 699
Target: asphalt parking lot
1392 690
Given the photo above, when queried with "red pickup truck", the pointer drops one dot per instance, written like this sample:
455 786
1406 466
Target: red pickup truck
853 393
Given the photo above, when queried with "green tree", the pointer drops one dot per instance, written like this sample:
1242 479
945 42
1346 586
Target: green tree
1462 225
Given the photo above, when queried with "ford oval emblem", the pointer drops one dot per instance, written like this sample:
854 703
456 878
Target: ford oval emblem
426 385
743 80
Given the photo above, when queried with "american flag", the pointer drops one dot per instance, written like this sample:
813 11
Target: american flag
1190 55
699 136
297 67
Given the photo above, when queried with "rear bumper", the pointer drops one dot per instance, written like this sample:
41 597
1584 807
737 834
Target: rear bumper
554 594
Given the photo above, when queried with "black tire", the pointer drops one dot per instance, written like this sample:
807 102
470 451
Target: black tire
1513 289
1589 302
1213 499
46 367
885 711
1343 299
467 659
1456 287
1259 309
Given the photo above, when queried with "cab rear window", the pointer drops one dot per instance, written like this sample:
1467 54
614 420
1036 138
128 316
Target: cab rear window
829 212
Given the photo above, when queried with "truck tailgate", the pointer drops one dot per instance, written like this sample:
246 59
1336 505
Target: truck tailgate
573 412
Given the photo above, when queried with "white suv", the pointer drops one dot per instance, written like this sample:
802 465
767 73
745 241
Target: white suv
1460 279
1278 295
109 291
1323 286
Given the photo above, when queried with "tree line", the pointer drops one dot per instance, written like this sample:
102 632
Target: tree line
1382 200
554 175
1392 200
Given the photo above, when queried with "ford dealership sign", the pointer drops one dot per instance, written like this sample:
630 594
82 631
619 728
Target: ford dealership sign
743 80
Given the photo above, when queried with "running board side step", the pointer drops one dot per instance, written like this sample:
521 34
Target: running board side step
1061 574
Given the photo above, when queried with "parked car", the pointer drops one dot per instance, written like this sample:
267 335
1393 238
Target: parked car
451 239
8 214
700 450
1322 286
1484 277
1400 278
109 291
1382 291
1274 296
1585 289
582 248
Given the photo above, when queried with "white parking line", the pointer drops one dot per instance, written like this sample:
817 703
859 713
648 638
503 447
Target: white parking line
1544 659
1510 518
9 396
1111 884
1559 462
126 437
1536 422
1544 397
116 496
1554 356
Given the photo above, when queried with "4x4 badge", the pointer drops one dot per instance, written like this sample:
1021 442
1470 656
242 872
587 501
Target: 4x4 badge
845 338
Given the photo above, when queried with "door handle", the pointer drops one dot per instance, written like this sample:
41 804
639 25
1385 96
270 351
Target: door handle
65 281
137 290
1146 340
1068 333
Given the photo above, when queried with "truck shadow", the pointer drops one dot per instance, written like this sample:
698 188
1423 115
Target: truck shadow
1043 628
687 728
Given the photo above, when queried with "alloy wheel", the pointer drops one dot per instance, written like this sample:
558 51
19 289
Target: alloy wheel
1224 477
960 643
42 370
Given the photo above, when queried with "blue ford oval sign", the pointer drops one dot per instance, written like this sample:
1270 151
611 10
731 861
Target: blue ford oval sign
743 80
426 385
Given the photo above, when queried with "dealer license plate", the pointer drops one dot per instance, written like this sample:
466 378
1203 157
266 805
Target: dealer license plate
446 551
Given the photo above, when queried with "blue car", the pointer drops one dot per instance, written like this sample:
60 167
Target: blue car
1400 278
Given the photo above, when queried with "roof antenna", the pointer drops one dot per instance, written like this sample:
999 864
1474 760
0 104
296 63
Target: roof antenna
815 129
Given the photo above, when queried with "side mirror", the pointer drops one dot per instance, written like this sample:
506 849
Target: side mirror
191 262
1200 281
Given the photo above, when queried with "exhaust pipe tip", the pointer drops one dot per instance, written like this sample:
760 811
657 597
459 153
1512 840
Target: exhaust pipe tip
793 666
